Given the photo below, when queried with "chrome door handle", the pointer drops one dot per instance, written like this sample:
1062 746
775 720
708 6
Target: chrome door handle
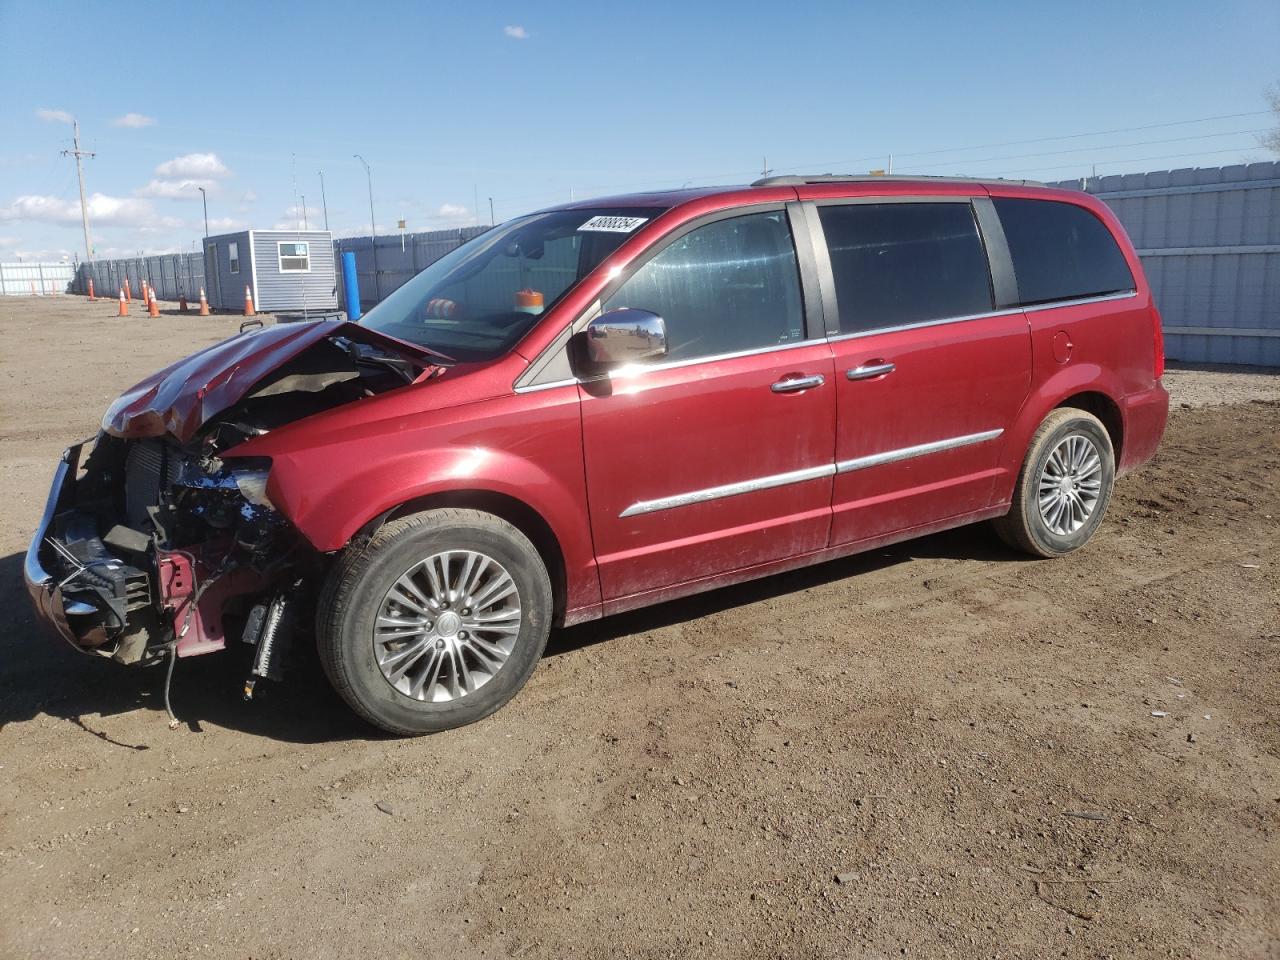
798 383
871 370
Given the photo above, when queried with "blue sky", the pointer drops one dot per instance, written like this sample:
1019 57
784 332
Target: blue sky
532 102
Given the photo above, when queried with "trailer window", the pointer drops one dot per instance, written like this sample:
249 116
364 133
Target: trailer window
294 257
233 256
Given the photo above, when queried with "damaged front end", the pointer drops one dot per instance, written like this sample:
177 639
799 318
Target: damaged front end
157 540
153 547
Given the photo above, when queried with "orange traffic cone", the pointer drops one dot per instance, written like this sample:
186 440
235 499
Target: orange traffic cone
153 305
204 304
124 305
91 296
128 294
146 293
182 303
248 301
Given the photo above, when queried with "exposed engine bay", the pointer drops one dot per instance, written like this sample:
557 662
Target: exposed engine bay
157 546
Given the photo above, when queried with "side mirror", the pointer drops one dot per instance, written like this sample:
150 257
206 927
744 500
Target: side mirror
626 336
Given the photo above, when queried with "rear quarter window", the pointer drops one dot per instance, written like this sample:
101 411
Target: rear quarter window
1060 251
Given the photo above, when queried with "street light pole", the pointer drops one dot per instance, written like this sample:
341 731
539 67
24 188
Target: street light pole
204 198
373 227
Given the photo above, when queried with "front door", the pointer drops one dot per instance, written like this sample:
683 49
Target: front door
929 373
718 456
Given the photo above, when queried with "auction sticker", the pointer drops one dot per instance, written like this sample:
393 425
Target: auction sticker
613 224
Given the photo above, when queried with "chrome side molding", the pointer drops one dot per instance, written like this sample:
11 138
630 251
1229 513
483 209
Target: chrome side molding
808 473
729 490
920 450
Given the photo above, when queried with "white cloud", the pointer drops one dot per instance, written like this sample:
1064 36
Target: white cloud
54 116
193 165
176 189
104 211
225 224
516 32
133 120
454 214
249 197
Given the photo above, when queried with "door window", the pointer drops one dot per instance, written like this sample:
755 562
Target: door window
1060 251
729 286
902 263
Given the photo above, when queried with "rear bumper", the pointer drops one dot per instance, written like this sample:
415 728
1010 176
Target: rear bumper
1145 415
45 591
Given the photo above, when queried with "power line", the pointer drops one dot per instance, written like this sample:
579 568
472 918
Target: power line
1167 156
1099 147
1069 136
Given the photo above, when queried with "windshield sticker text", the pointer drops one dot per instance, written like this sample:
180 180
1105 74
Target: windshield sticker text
613 224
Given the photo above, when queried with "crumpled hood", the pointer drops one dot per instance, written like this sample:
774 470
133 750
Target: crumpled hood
182 397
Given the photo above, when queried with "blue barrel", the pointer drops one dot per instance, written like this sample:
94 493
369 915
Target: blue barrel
351 285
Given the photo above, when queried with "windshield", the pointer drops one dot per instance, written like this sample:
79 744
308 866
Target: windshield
475 302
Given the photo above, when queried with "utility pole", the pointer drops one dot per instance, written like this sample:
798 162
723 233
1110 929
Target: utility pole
304 211
84 207
204 198
491 211
373 226
323 202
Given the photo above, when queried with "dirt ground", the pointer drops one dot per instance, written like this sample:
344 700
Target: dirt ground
936 750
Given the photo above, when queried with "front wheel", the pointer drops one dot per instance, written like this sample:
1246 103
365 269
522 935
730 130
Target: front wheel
435 622
1064 486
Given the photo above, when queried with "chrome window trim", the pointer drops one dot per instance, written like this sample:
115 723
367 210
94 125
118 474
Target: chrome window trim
1081 301
638 368
919 450
729 490
1008 311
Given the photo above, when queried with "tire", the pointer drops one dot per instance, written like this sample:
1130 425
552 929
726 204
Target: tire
408 654
1060 528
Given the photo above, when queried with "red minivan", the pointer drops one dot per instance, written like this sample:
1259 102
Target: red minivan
606 405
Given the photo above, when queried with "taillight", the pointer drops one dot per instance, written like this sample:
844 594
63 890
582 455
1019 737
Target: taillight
1157 334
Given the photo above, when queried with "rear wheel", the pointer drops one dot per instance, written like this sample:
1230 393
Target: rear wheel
436 622
1064 486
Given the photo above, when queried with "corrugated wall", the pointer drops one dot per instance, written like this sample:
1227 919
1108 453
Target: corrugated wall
172 275
1209 239
399 259
311 291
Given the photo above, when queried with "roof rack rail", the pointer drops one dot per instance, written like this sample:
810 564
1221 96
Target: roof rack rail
796 180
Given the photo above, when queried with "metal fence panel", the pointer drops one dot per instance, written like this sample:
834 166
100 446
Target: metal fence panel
1209 239
399 258
173 275
35 279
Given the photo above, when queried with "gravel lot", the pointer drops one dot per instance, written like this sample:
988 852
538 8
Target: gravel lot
936 750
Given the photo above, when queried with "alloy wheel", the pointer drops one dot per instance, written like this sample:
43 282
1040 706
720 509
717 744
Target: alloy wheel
1070 484
447 626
